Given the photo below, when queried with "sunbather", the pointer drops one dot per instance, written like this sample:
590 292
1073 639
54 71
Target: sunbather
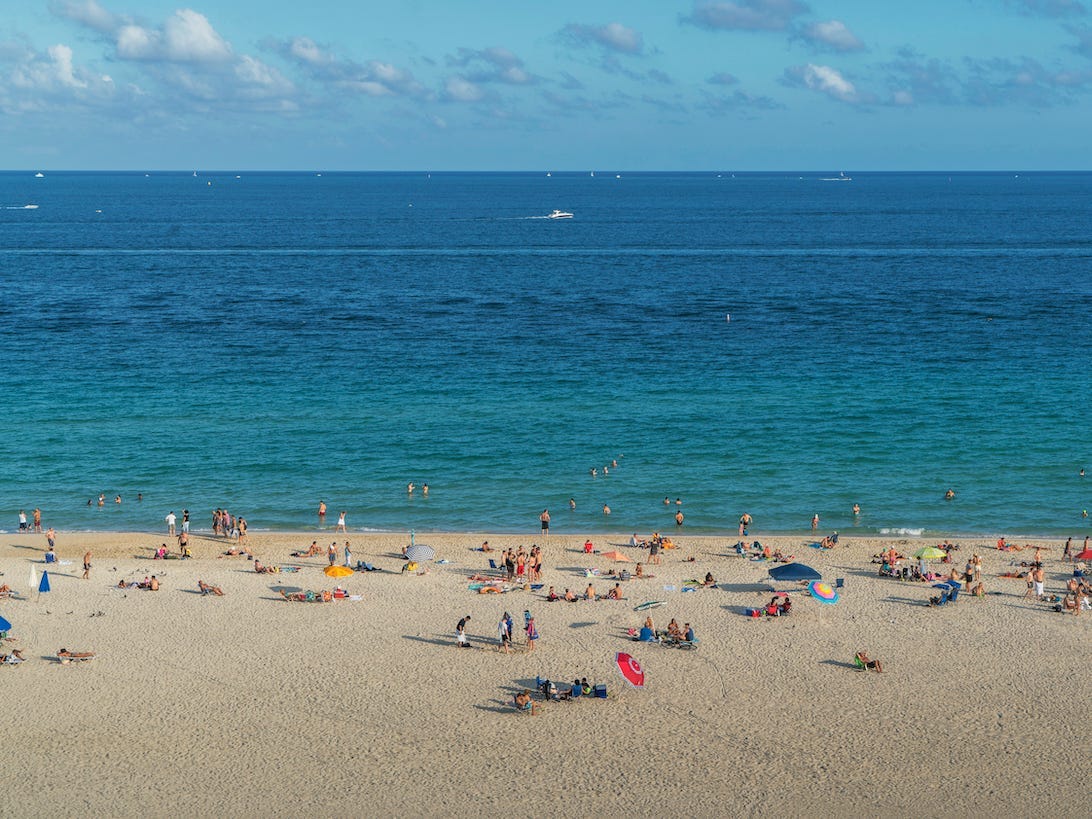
67 656
862 661
551 595
616 592
709 581
13 658
572 598
207 589
589 593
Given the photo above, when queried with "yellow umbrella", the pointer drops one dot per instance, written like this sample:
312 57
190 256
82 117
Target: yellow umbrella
337 571
616 556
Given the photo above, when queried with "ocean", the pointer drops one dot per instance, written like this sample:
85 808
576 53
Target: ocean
775 344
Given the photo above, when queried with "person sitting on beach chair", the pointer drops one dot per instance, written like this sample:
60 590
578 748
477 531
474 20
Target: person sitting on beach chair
206 589
863 663
66 656
14 658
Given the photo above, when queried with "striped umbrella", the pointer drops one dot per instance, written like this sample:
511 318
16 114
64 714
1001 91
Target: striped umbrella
420 552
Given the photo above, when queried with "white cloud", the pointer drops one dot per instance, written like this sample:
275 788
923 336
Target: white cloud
460 90
722 78
612 36
747 15
833 35
186 37
52 75
825 80
374 78
88 13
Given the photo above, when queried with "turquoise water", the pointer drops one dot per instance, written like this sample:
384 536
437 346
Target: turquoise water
268 341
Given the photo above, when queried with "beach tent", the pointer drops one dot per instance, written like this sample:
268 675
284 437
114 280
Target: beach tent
792 572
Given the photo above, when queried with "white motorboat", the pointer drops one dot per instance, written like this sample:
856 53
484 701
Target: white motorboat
560 214
841 177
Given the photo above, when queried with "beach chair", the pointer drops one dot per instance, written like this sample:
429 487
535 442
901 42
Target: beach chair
941 599
839 582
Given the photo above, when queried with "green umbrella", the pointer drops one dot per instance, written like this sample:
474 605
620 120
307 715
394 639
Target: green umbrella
930 553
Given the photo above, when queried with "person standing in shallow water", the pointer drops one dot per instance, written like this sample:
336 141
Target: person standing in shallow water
322 513
544 518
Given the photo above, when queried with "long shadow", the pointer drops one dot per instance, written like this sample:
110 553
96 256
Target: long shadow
909 601
743 587
432 641
583 625
840 664
285 589
497 709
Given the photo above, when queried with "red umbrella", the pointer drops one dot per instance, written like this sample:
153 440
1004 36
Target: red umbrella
631 670
1085 555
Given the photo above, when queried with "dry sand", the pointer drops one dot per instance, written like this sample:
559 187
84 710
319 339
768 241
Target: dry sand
245 705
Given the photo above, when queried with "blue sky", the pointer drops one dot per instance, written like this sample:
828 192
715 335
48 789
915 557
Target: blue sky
478 84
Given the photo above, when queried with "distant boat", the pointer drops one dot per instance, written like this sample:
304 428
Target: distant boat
39 175
592 173
560 214
841 177
548 173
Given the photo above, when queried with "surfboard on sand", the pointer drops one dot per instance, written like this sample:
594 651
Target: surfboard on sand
651 604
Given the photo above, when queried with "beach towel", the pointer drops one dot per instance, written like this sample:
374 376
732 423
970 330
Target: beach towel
669 588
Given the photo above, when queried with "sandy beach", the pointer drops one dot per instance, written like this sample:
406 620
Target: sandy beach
249 705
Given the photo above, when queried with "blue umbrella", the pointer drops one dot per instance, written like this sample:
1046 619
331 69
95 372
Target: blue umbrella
43 586
4 625
792 572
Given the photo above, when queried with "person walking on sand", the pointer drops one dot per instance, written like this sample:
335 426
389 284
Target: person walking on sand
348 555
170 519
51 537
87 565
544 518
340 523
504 634
321 513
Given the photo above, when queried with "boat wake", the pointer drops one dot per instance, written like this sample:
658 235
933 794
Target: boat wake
20 207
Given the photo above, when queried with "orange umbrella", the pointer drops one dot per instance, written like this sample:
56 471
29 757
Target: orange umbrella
616 556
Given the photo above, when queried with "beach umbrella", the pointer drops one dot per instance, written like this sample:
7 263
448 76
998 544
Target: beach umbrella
1085 555
930 553
791 572
33 582
43 586
4 625
337 571
631 670
823 592
420 552
616 556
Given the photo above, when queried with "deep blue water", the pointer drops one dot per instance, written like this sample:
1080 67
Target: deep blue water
267 341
